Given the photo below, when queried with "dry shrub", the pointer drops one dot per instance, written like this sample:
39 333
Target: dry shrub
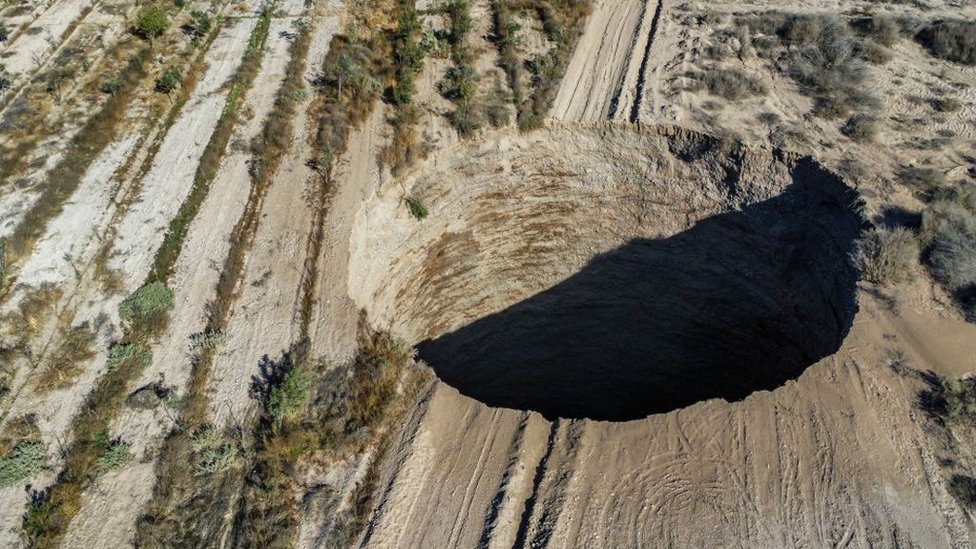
887 256
949 229
65 362
923 181
732 84
862 128
950 39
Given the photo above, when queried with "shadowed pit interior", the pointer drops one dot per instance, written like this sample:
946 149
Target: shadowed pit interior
673 276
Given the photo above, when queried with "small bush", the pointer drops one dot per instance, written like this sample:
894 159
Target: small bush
150 300
207 341
465 119
4 33
459 83
151 22
946 104
963 488
201 25
5 79
129 355
496 108
872 52
62 365
113 85
898 361
952 40
288 399
731 84
861 128
24 461
417 208
883 29
921 180
950 399
213 451
887 256
117 455
170 80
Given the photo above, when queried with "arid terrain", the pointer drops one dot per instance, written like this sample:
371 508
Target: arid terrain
488 273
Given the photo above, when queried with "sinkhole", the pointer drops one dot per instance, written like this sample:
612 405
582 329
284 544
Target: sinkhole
611 273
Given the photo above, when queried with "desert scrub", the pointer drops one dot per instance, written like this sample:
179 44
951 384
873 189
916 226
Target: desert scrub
951 254
732 84
887 256
146 311
128 355
117 454
349 408
209 342
952 400
287 399
24 461
170 80
951 39
922 180
963 488
946 104
863 128
214 452
61 366
4 33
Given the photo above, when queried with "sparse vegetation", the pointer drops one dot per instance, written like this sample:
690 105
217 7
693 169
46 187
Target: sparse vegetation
732 84
170 80
4 33
887 256
963 488
953 400
287 399
148 306
946 104
348 408
950 39
950 230
128 355
62 365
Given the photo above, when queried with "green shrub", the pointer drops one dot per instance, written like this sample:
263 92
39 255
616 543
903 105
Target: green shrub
201 25
170 80
288 398
207 341
213 451
4 33
145 311
459 83
128 355
417 208
887 256
465 119
151 22
952 40
117 455
24 461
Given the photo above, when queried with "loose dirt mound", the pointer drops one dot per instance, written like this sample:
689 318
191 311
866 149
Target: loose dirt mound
612 273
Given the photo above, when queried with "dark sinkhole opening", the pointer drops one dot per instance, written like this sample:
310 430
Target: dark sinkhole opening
742 301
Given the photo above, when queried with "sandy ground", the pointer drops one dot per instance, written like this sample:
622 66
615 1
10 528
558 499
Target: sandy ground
264 321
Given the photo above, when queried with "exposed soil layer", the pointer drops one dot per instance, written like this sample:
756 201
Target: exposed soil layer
675 269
